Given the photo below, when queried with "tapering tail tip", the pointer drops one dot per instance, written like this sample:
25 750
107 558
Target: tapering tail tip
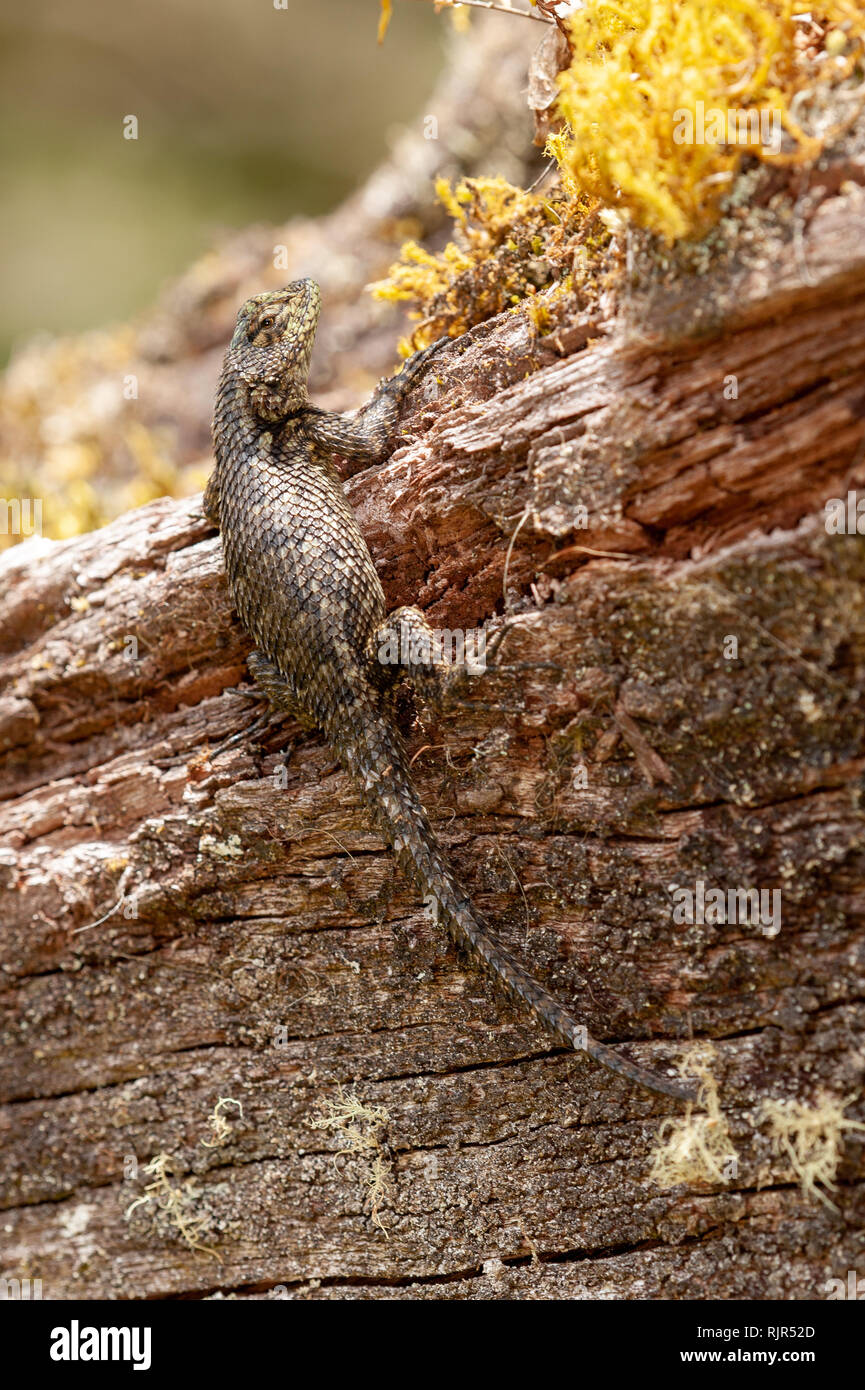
374 752
680 1088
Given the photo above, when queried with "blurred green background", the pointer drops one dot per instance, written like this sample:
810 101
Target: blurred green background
246 113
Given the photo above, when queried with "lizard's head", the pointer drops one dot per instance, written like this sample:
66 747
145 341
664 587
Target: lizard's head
272 345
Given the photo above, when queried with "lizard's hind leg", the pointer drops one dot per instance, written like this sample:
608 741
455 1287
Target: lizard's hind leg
273 685
270 683
437 662
405 645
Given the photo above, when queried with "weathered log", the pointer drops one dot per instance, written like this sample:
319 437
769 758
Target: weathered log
187 919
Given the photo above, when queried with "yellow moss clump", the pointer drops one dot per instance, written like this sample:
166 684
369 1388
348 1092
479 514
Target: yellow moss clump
507 244
660 102
648 76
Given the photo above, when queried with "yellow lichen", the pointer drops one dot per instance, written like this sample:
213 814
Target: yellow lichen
810 1137
696 1148
663 98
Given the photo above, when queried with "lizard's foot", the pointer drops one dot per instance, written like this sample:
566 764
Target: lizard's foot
398 385
404 644
271 683
507 626
432 660
250 734
245 692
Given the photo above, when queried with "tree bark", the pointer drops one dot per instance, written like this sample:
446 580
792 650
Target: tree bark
679 699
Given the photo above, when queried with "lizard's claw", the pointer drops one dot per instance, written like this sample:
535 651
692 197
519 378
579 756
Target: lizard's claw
399 384
249 733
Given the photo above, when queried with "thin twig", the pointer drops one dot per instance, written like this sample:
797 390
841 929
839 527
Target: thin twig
542 175
98 923
491 5
520 524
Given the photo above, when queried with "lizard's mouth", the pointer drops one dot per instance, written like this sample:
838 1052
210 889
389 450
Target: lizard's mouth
306 297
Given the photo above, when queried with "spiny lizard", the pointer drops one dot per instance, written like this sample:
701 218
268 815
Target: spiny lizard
306 589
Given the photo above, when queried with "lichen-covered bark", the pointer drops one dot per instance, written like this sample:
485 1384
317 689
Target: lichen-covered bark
186 920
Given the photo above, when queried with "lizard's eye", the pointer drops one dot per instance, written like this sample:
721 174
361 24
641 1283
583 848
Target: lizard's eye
267 322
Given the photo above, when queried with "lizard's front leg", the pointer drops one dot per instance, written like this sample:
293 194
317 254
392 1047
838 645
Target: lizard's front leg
210 500
362 437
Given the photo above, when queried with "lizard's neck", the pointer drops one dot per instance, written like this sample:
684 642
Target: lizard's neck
243 412
241 436
234 427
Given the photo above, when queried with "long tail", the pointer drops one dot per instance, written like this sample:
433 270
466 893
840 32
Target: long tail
371 749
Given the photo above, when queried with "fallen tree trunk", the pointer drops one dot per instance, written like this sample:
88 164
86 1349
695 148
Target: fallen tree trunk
237 1055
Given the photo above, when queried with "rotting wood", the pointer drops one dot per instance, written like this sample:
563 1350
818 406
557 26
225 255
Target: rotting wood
273 956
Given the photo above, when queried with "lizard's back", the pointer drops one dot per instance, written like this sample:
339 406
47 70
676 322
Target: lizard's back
300 572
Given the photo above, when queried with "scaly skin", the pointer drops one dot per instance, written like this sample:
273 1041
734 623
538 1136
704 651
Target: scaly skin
305 587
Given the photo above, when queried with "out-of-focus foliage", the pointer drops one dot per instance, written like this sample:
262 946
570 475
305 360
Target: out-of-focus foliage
248 116
85 379
384 18
247 113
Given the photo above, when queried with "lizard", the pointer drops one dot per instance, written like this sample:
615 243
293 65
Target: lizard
306 590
